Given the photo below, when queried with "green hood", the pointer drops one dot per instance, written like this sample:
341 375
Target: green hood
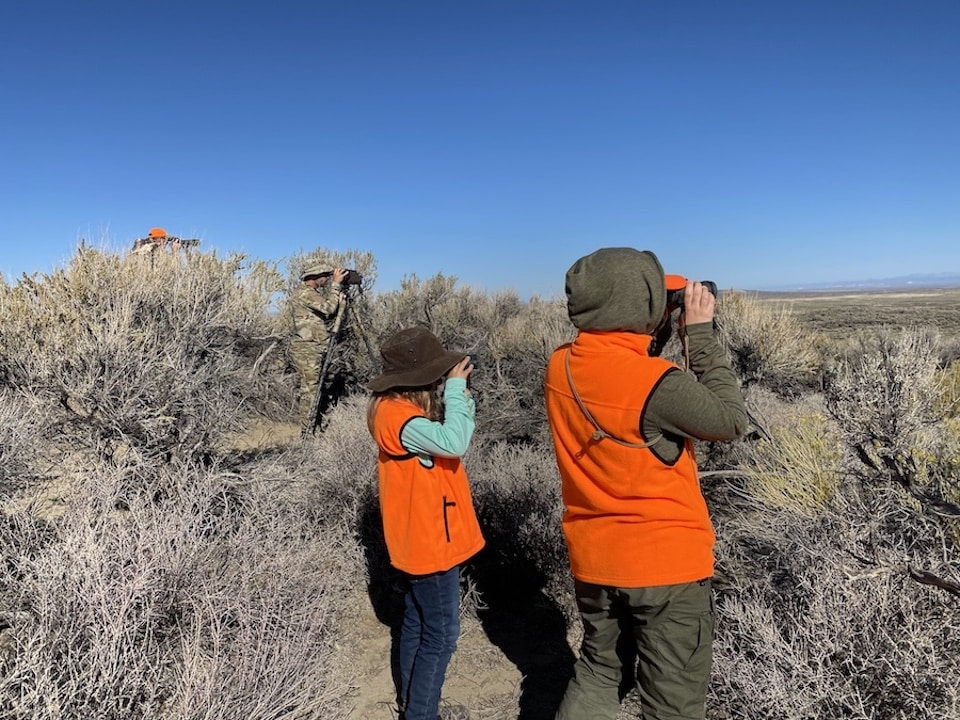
616 289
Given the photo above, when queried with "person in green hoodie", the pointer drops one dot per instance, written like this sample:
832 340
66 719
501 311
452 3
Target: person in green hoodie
640 540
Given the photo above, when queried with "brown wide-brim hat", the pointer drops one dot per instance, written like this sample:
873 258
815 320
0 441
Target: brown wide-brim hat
413 357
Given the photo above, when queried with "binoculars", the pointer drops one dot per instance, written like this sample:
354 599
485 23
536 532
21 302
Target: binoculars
675 288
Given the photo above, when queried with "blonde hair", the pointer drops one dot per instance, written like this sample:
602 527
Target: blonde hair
425 398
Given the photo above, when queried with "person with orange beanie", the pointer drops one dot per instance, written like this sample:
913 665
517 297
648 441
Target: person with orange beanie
156 239
623 421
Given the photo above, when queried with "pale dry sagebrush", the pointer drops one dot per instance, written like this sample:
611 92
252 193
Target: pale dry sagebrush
194 606
462 318
819 616
511 385
767 345
516 491
884 399
330 479
128 359
17 445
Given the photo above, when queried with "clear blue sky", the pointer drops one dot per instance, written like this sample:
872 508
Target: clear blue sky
757 144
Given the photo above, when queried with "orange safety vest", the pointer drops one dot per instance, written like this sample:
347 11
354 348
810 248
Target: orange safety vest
631 519
428 518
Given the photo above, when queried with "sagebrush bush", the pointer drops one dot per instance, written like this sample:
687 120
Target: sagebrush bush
17 430
884 400
516 491
797 468
512 385
948 404
191 606
819 617
767 345
128 358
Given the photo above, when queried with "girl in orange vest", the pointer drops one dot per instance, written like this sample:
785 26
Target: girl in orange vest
429 523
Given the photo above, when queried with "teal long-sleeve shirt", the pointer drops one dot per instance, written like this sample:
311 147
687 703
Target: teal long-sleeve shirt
451 437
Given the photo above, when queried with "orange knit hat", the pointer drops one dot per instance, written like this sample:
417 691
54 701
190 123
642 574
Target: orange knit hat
157 232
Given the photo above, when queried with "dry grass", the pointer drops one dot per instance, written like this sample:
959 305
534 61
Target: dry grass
798 468
839 315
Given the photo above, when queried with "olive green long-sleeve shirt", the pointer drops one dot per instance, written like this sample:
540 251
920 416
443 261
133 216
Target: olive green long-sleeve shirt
706 404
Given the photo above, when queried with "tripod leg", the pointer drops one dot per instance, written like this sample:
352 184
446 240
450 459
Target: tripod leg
363 334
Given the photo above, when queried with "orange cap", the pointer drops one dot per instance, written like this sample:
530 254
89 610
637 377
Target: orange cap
157 232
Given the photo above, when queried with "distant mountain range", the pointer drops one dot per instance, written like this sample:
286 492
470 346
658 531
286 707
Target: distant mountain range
903 282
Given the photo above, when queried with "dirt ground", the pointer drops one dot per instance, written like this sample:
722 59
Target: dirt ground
479 678
504 667
512 661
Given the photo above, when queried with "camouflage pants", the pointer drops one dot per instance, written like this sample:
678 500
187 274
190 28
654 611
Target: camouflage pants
307 358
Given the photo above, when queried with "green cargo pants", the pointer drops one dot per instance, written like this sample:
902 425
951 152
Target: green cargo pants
672 627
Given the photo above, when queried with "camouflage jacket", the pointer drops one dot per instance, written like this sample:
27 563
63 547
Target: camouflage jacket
313 311
145 246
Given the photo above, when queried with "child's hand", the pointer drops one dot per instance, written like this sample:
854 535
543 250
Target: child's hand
462 369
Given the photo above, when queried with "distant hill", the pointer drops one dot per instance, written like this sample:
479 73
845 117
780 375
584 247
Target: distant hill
902 282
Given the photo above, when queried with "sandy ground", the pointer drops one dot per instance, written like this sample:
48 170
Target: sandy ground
480 677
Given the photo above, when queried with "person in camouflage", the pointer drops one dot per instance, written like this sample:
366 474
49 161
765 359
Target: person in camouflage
314 307
157 244
154 242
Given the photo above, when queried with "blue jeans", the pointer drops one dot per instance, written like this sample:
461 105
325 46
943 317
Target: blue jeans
428 637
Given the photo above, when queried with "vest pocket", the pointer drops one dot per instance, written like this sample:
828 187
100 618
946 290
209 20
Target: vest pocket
446 520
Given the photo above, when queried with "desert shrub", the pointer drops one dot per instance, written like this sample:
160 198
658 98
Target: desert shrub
884 400
258 638
821 616
948 403
461 317
797 468
767 345
23 538
508 340
126 358
516 491
192 606
18 428
329 480
512 388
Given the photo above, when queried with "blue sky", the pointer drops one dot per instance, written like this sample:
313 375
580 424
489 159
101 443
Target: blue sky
757 144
